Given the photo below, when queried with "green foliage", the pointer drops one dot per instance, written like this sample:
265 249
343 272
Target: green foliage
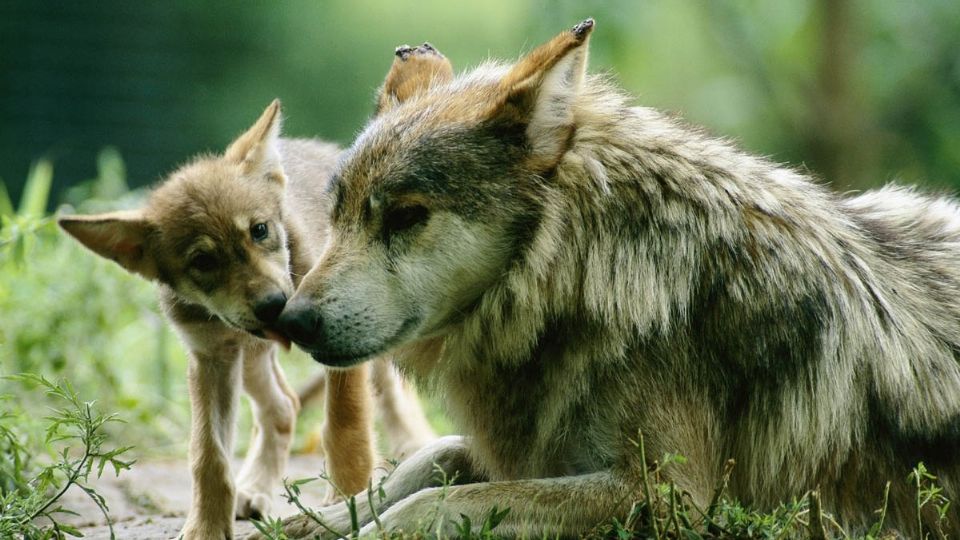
69 314
17 230
74 442
109 190
465 528
929 495
292 494
6 205
37 189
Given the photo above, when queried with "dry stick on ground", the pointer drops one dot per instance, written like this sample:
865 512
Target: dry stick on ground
673 510
373 508
684 509
646 488
883 509
718 495
817 531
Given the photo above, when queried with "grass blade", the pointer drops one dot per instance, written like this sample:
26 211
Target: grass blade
36 191
6 205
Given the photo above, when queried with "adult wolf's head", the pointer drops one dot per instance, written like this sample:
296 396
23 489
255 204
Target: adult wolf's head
435 200
212 232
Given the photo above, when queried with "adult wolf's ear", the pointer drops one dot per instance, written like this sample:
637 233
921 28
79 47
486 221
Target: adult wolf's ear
257 150
118 236
540 90
414 70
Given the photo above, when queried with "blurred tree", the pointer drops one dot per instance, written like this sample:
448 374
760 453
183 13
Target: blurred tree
858 92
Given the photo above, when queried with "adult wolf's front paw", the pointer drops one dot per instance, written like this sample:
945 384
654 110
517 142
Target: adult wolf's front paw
199 530
253 504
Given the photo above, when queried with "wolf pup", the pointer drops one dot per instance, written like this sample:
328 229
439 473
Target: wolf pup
567 270
227 238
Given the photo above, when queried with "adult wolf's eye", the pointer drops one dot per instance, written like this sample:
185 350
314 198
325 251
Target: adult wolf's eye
259 232
203 262
404 217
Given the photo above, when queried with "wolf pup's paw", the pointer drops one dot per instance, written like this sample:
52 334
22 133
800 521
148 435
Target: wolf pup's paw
331 497
197 530
253 504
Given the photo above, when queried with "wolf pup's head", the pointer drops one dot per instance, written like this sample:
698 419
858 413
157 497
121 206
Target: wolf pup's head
212 232
433 202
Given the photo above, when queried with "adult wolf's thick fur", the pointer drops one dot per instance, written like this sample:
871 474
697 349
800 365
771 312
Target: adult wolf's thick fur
566 269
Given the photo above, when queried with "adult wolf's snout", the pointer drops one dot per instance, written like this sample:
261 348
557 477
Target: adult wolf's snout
301 323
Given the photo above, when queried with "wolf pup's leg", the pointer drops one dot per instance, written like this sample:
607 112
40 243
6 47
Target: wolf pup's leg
426 468
275 407
214 383
399 408
347 433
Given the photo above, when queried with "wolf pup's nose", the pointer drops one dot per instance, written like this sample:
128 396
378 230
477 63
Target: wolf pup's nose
301 323
269 307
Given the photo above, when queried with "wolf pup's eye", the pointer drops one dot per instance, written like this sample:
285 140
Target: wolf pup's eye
203 262
259 232
404 218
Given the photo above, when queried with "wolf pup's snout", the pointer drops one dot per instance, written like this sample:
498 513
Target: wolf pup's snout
301 323
268 308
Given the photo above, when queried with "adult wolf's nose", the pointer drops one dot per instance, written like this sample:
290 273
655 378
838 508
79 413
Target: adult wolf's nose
300 322
269 307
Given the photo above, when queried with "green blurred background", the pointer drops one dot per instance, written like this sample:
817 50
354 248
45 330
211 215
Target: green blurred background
860 92
100 98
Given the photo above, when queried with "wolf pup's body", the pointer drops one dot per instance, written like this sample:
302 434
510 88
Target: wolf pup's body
567 270
227 238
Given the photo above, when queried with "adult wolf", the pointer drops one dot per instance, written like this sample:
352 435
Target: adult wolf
227 237
566 269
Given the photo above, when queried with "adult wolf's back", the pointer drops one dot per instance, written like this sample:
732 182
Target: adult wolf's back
579 269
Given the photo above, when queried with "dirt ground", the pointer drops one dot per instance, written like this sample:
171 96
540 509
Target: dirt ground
150 501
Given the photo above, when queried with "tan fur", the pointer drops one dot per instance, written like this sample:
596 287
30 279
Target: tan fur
566 270
396 406
208 209
414 70
349 430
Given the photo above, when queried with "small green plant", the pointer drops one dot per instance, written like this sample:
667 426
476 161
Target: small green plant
18 228
493 518
929 496
272 529
30 490
664 512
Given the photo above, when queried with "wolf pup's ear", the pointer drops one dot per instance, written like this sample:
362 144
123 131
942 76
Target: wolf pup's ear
539 92
414 70
118 236
257 150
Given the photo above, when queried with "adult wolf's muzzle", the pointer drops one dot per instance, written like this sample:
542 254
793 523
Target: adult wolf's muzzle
302 323
330 344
